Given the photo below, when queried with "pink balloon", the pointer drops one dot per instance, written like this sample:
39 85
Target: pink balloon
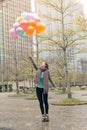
16 25
13 33
37 19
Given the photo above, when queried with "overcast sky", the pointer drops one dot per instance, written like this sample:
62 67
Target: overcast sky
33 5
84 2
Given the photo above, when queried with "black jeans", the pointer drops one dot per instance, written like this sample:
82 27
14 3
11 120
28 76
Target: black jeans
43 100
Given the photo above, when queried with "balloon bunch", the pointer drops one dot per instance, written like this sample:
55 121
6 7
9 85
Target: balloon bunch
27 24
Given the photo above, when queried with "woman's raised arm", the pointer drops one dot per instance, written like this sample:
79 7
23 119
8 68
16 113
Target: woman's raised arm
35 66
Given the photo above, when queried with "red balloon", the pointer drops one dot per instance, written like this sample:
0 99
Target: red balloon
24 25
30 30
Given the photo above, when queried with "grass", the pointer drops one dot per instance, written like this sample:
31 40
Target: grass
72 101
53 89
32 97
78 88
57 91
20 94
75 88
29 96
84 94
61 92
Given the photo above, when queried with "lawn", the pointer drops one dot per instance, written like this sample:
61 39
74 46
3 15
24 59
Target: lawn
70 102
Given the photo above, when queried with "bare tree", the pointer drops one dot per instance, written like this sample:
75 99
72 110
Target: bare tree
64 34
19 68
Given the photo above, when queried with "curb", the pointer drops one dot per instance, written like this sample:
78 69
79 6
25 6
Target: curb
68 104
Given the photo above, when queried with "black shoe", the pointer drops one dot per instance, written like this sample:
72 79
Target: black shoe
46 118
43 118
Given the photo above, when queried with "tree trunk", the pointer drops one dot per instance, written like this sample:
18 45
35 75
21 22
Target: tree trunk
3 87
67 76
64 49
66 79
24 90
64 89
17 84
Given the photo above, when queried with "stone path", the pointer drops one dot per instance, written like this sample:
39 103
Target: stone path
18 113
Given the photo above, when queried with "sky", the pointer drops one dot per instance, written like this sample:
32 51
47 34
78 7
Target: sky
33 5
84 2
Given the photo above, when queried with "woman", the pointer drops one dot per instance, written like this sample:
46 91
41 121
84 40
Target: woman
41 80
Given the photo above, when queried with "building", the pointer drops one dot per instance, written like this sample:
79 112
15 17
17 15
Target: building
9 11
72 59
82 65
1 33
82 70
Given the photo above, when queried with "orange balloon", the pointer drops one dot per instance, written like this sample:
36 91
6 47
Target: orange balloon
20 19
32 23
30 30
40 27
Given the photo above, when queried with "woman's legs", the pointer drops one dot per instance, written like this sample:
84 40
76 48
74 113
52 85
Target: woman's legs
39 92
45 98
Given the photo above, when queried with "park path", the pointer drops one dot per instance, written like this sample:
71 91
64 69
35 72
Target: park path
18 113
80 94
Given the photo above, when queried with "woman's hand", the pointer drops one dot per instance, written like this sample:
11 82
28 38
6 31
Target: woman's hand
29 54
45 91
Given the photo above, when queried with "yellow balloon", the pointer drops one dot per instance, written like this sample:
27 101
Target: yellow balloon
20 19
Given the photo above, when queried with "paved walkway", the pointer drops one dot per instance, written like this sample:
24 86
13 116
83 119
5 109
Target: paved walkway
18 113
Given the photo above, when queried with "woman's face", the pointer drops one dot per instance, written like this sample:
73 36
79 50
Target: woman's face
42 64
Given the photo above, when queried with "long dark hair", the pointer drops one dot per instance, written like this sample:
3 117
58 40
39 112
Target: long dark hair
46 65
